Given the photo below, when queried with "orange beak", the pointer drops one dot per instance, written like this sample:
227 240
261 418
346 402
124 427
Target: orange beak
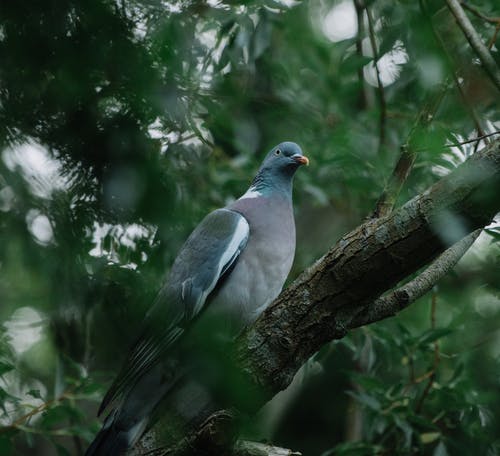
302 159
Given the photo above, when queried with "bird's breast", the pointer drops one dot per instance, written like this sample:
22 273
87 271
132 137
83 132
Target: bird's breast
262 267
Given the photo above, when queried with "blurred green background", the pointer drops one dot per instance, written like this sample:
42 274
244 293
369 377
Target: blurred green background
122 123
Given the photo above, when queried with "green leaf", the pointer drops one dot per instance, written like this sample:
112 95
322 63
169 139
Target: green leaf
55 416
406 428
459 369
365 399
429 437
354 61
368 382
422 422
494 232
440 450
5 367
432 335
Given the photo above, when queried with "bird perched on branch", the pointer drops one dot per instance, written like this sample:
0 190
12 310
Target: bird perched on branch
231 267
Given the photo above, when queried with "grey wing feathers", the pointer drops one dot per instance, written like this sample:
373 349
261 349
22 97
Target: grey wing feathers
206 256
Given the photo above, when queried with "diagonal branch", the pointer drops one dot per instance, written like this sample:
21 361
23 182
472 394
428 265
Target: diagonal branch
400 298
320 304
475 41
408 154
478 13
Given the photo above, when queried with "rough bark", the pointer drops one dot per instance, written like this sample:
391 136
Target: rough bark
215 436
319 306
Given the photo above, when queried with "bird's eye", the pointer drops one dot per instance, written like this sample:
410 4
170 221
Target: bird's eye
278 152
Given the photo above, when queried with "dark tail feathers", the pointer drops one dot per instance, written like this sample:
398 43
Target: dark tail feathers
111 440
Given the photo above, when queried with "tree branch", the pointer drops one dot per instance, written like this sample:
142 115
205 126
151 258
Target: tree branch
359 6
474 10
408 153
246 448
397 300
495 35
475 41
320 304
436 361
476 139
381 90
215 436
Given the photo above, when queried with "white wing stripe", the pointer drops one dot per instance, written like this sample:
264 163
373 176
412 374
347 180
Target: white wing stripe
240 234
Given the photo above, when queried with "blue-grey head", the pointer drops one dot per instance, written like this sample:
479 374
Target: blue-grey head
279 166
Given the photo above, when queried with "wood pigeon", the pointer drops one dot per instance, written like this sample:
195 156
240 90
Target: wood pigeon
231 267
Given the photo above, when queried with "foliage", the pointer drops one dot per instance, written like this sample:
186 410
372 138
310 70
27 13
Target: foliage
123 122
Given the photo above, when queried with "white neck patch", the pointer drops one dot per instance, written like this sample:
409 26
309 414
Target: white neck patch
252 192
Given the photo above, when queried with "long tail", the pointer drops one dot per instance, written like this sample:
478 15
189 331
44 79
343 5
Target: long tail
116 436
124 426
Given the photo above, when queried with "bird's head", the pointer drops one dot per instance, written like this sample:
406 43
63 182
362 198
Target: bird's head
284 159
278 168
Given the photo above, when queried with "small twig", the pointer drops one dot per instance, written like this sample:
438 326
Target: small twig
359 6
407 156
437 358
36 410
477 138
425 393
474 10
494 37
411 368
400 298
474 40
468 107
381 90
423 377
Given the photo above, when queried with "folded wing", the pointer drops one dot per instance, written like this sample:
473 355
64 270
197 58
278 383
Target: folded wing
203 262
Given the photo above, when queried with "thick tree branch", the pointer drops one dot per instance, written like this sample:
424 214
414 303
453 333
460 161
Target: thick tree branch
215 436
319 305
475 41
246 448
